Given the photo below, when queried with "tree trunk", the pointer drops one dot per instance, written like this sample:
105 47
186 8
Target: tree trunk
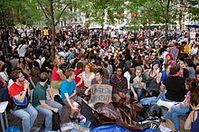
52 23
181 13
103 15
167 21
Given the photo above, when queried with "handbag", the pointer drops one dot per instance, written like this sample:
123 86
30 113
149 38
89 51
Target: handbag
20 105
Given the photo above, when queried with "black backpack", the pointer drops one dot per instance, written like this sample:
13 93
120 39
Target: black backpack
56 122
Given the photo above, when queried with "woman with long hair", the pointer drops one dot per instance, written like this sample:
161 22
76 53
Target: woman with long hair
192 122
57 76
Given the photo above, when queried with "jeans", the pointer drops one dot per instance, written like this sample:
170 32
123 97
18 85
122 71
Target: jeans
174 113
3 94
139 92
48 113
28 116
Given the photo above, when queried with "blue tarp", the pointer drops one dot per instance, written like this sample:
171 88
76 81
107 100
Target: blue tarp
116 128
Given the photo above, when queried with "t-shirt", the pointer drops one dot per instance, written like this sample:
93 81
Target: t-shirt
55 75
39 94
67 87
137 81
16 89
175 88
77 78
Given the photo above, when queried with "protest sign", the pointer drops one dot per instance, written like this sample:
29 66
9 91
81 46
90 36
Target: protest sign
101 93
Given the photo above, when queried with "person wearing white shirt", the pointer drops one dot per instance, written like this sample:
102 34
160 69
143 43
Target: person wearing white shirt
22 50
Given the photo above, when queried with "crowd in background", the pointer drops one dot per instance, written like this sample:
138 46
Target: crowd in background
138 65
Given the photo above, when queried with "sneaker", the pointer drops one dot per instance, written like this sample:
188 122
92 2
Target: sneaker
162 119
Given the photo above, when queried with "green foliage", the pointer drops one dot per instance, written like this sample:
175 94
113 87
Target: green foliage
153 11
103 11
193 9
19 11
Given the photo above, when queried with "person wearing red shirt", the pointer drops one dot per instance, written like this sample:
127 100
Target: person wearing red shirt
78 80
57 76
18 91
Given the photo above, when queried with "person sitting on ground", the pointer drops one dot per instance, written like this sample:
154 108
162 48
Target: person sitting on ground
57 76
138 83
99 79
18 91
153 82
182 108
120 85
88 75
69 93
192 122
79 82
42 104
174 84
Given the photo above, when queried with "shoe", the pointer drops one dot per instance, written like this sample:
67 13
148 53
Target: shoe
162 119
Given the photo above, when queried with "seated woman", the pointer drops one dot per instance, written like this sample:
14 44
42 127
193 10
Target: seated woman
192 122
153 80
57 76
182 108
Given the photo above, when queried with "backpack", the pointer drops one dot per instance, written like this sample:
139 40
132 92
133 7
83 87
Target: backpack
56 122
153 121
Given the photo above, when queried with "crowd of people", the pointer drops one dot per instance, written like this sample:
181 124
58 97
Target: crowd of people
138 65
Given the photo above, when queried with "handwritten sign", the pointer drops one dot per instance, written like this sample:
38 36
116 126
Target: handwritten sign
101 93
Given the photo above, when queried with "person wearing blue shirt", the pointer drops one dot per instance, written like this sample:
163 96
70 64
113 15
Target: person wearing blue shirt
68 92
165 72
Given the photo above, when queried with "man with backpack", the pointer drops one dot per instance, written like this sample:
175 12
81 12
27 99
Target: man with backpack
21 106
42 104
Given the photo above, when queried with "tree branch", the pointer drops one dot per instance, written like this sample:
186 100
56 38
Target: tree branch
58 18
43 10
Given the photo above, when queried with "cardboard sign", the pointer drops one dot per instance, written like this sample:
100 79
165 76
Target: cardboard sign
101 93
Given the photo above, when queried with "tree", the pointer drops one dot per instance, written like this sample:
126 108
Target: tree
193 9
53 10
18 11
154 11
103 11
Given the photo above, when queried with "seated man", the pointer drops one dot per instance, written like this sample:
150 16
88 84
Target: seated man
42 104
68 93
138 83
99 79
120 86
18 91
175 86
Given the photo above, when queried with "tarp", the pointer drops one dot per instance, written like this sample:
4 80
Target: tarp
116 128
